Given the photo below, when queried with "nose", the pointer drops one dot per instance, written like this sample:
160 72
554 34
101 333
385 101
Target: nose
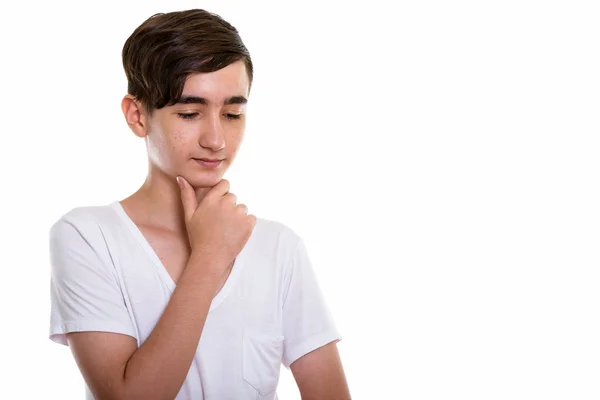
213 135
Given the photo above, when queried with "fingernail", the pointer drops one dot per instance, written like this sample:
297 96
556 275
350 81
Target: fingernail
180 181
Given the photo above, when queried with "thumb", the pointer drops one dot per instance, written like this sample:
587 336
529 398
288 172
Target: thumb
188 198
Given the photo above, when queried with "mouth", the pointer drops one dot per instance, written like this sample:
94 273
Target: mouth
207 162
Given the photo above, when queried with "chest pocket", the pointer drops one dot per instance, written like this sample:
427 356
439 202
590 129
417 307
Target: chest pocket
261 360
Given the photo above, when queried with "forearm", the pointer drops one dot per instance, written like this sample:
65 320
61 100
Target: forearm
159 367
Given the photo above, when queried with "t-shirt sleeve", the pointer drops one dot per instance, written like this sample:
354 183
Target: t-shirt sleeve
307 320
84 291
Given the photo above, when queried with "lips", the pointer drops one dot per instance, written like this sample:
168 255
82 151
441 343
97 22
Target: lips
210 164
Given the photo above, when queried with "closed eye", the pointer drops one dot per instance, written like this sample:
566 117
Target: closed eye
187 115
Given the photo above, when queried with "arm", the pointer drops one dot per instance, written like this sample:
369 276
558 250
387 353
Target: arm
310 349
320 375
114 368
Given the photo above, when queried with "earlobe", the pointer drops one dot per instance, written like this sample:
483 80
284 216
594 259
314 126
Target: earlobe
133 113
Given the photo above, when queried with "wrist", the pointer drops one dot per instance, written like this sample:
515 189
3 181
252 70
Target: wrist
204 267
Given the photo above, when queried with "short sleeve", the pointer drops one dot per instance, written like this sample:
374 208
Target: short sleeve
84 291
307 320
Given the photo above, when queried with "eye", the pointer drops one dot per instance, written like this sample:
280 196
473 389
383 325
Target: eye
233 116
187 115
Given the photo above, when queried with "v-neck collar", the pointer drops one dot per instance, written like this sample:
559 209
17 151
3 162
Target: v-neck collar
171 285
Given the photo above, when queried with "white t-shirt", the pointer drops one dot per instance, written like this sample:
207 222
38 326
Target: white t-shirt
106 277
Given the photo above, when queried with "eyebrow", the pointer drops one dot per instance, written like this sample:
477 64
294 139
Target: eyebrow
201 100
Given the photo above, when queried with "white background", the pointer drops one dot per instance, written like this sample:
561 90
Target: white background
440 159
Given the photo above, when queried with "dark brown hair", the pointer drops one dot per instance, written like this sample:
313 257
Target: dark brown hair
161 53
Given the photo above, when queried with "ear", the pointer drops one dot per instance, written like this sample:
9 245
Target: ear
135 115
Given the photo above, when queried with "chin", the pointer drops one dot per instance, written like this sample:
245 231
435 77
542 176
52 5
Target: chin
205 180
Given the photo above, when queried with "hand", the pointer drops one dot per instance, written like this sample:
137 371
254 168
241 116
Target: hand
217 227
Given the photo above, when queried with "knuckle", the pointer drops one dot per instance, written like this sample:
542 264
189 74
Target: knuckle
232 198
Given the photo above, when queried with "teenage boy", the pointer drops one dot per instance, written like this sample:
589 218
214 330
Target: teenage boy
176 291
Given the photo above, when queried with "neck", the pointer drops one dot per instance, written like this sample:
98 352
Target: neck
157 202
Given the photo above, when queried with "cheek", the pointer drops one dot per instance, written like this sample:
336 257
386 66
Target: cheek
165 149
235 140
179 142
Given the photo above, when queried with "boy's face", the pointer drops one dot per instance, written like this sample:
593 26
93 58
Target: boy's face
207 123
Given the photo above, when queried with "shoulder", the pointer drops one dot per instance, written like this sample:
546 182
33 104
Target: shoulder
84 220
78 244
274 237
275 230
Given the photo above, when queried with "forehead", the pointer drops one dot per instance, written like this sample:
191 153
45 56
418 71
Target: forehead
229 81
